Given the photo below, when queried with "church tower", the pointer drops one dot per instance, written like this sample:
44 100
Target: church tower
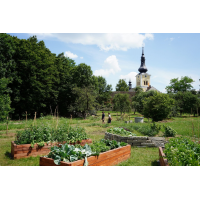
143 78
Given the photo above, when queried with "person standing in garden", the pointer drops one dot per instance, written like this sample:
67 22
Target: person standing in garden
103 117
109 118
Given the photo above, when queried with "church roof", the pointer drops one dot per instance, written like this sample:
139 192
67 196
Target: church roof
150 88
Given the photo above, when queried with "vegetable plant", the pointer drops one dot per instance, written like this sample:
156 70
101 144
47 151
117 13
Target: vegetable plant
71 153
43 134
169 132
182 152
120 131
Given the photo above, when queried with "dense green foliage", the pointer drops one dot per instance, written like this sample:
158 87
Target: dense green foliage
138 100
71 153
158 106
4 99
185 102
121 103
182 85
120 131
85 101
43 134
7 73
182 152
40 81
122 85
169 132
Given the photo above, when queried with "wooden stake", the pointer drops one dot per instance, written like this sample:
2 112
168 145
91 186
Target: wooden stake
7 127
35 119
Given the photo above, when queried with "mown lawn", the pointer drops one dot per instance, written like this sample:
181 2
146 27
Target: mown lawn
186 126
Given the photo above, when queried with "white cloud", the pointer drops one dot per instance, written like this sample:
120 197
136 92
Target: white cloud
70 55
105 41
110 66
171 39
130 76
81 57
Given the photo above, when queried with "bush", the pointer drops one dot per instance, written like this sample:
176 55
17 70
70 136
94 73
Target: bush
158 107
169 132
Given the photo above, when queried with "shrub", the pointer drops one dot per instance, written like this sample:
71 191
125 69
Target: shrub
169 132
158 107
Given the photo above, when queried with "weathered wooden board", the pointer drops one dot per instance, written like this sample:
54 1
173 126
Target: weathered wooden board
107 158
162 159
25 150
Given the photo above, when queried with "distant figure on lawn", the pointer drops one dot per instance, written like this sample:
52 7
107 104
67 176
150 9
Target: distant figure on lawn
103 117
109 118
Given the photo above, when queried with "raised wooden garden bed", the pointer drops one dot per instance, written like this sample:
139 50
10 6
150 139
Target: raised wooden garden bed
25 150
107 158
162 159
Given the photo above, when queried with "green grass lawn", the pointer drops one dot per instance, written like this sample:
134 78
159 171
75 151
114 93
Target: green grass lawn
185 126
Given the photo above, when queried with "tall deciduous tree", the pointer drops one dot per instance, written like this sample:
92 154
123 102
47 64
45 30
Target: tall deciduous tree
85 100
182 85
7 73
137 100
34 88
121 103
122 85
103 90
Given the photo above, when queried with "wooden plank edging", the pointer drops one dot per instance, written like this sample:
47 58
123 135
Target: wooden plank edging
25 150
162 159
108 158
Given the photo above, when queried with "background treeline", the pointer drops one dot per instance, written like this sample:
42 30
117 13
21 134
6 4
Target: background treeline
180 99
33 79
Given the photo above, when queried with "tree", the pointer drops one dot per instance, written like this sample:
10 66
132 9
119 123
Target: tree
7 73
122 86
134 104
104 91
34 87
182 85
158 106
121 103
185 102
137 100
66 83
4 99
85 100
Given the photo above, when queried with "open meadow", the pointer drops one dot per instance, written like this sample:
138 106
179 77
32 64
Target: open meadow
184 126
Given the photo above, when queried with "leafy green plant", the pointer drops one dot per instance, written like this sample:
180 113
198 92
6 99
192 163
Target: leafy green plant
145 130
182 152
169 132
71 153
120 131
43 134
155 127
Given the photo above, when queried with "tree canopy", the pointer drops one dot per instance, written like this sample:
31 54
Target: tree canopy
182 85
122 85
121 103
38 80
158 106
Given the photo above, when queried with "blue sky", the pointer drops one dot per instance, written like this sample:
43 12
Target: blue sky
116 56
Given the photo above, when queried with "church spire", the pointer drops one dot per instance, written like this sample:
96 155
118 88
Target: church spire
142 68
